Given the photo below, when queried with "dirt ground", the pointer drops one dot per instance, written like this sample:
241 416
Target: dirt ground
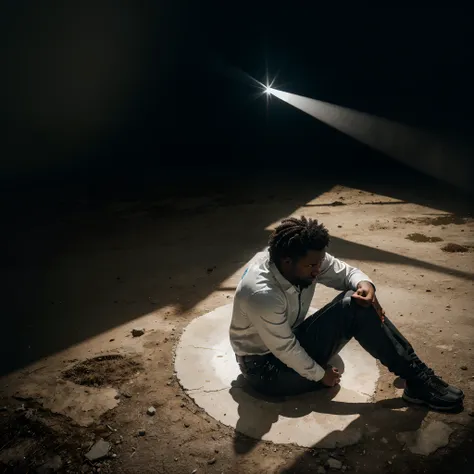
81 273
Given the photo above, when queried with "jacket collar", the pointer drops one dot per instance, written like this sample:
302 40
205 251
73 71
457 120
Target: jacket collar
283 282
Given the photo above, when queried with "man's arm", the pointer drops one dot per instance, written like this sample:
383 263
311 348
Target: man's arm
340 275
266 311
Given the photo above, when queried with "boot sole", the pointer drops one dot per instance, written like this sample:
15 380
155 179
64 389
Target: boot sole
419 401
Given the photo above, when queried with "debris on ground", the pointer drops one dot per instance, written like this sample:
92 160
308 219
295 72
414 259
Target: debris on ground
454 248
334 463
427 439
137 332
151 411
99 450
52 465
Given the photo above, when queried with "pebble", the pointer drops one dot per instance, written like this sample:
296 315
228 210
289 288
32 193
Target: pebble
137 332
127 394
321 470
151 411
471 413
99 450
334 463
3 409
384 440
52 465
141 432
211 461
186 425
194 471
463 367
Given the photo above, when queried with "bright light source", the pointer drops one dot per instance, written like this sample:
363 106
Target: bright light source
268 90
414 147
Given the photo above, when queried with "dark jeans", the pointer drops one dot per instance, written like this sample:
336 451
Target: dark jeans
323 335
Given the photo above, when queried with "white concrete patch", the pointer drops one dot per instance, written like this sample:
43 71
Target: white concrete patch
207 370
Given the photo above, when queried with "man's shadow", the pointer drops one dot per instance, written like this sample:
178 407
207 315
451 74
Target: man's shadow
257 413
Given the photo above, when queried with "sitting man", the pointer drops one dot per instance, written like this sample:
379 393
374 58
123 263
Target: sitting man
282 353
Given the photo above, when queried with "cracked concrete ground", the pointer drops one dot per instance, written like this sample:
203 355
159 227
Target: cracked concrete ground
79 278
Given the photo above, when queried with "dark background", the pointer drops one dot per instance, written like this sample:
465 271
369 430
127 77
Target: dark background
106 92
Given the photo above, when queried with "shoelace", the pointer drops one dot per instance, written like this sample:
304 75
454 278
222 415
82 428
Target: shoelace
429 378
437 378
438 381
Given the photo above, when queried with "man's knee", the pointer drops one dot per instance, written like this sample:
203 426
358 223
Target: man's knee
346 299
352 307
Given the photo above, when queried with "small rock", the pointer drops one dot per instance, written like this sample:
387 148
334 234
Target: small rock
20 408
117 396
194 471
427 439
334 463
111 340
321 470
127 394
3 409
141 432
384 440
99 450
344 468
211 461
463 367
471 413
186 425
151 411
137 332
216 451
324 456
52 465
428 291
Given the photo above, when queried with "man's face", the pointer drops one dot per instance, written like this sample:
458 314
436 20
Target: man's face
302 272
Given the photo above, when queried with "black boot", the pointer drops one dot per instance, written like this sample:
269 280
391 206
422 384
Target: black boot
431 391
457 392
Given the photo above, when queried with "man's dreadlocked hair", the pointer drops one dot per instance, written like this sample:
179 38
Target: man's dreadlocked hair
294 237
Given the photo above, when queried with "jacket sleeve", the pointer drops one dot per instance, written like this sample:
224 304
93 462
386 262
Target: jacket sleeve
340 275
267 312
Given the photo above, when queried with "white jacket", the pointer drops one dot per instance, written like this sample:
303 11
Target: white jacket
267 308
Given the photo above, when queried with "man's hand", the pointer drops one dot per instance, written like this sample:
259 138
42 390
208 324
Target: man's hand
365 294
331 377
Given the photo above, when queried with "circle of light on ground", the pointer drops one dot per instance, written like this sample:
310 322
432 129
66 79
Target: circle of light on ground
208 372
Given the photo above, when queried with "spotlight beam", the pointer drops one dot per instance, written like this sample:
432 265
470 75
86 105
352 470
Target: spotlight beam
418 149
